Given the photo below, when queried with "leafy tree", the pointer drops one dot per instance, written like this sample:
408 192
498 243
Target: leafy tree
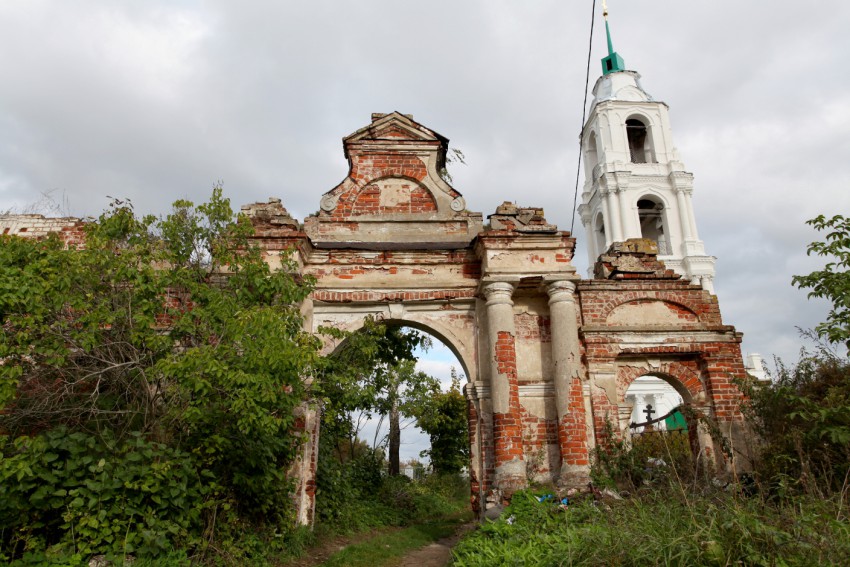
443 417
803 416
162 340
373 374
833 281
404 392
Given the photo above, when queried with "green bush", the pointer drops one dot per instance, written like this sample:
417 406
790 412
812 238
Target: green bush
803 421
68 493
148 389
356 494
650 456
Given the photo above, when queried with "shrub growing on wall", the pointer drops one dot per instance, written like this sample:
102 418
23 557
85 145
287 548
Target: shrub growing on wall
163 344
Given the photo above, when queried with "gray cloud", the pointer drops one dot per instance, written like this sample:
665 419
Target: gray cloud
158 100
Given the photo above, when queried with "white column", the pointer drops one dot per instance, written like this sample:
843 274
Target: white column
614 209
626 215
684 218
691 220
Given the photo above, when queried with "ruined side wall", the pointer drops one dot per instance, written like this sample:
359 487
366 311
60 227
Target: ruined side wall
70 229
667 328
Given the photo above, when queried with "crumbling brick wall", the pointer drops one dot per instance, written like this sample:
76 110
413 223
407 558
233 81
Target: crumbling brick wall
70 230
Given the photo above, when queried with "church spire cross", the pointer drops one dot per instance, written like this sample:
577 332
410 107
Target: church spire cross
613 62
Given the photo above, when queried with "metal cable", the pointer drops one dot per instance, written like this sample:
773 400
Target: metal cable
583 115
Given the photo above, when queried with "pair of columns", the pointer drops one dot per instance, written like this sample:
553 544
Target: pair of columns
510 469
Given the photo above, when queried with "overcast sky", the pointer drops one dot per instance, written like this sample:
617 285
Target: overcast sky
158 100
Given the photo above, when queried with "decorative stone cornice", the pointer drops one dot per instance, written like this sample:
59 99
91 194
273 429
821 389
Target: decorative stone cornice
498 292
682 181
541 390
561 290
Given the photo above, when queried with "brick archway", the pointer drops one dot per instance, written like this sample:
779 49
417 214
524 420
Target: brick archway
683 377
455 331
396 242
542 348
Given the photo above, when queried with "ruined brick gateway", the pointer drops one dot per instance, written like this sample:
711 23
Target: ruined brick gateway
548 355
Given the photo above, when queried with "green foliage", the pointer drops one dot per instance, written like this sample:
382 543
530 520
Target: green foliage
615 464
442 415
346 486
355 499
803 420
653 456
74 493
664 528
429 509
833 281
362 376
172 333
372 373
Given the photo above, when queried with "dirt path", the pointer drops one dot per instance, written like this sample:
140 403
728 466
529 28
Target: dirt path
438 553
323 551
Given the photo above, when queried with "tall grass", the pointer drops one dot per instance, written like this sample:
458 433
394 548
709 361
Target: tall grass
663 527
672 514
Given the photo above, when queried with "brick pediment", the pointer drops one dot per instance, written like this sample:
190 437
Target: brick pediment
394 195
393 127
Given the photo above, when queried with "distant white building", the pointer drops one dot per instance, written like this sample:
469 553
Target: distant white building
755 367
654 393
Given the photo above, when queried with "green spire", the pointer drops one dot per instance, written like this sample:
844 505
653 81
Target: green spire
613 62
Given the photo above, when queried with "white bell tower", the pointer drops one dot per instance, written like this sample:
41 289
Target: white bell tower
636 185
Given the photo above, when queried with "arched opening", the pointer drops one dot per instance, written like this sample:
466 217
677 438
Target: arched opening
591 155
652 225
386 382
599 235
661 435
417 454
640 150
653 397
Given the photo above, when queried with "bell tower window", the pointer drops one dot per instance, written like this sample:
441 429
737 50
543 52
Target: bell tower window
651 217
599 233
591 155
637 134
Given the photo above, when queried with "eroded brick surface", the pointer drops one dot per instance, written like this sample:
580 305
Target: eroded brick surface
70 230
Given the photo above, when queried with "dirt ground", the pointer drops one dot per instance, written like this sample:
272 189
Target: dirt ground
436 554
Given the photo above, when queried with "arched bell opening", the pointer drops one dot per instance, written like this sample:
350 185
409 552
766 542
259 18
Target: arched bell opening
640 141
653 225
591 155
600 239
